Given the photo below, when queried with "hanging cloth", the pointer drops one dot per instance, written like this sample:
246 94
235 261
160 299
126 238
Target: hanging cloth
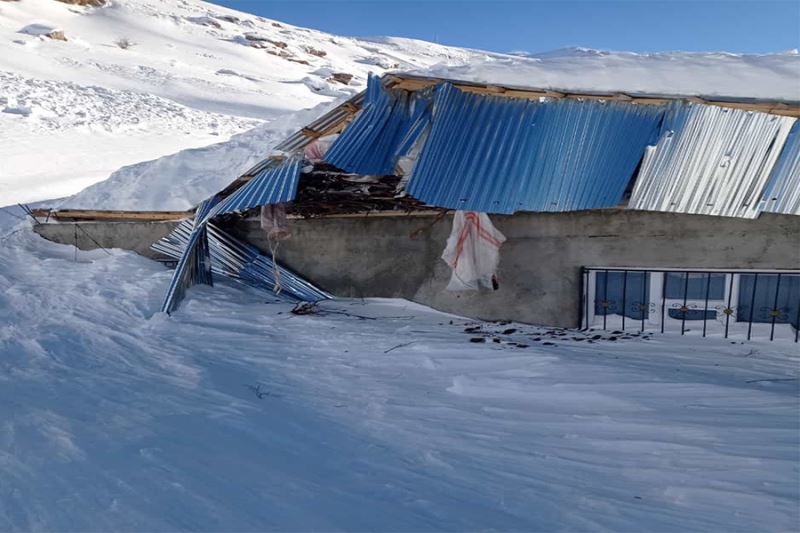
473 252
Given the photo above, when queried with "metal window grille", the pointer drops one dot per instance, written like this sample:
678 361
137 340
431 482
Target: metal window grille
739 304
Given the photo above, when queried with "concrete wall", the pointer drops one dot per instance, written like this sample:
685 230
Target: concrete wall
135 236
539 267
539 271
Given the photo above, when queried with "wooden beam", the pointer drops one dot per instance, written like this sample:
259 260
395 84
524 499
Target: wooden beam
313 134
94 214
414 84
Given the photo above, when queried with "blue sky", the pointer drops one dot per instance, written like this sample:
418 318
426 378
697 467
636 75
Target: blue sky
537 26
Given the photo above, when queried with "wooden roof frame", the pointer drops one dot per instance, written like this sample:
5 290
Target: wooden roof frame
411 82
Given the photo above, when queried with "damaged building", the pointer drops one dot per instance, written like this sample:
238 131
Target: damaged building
624 211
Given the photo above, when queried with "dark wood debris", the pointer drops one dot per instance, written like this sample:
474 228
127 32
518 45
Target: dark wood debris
326 190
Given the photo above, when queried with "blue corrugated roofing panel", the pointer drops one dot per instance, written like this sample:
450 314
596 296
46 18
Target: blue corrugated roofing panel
240 261
383 130
274 185
501 155
194 264
782 193
710 161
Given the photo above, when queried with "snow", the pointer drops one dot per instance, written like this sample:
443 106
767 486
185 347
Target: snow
180 181
196 74
747 76
152 185
234 414
77 110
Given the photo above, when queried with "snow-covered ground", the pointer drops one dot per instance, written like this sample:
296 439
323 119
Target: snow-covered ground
235 414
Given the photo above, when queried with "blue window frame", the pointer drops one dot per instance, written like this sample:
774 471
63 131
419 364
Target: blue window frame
763 297
694 285
618 293
692 314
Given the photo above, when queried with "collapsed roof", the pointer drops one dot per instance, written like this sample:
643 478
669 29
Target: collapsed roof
492 149
507 149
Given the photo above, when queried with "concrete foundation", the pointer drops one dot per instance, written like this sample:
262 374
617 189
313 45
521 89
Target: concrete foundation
540 263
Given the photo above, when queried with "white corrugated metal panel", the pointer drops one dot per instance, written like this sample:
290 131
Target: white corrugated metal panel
710 161
782 194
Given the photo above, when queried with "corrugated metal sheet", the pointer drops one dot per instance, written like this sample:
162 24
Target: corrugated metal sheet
782 193
389 121
240 261
300 139
275 185
710 161
585 154
194 262
501 155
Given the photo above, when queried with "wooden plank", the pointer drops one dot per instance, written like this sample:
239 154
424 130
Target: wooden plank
94 214
312 134
414 84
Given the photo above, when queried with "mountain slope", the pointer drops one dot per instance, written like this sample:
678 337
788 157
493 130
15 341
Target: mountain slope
138 79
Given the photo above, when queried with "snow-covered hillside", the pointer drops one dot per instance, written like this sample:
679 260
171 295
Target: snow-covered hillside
138 79
235 415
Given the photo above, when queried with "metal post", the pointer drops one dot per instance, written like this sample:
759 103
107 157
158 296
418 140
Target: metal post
605 299
624 297
644 293
728 310
752 305
774 311
663 298
588 279
584 299
705 310
684 309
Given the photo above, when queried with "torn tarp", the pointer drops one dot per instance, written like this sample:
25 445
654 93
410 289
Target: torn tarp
473 252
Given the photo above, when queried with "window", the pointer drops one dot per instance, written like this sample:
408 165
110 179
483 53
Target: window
622 293
763 297
694 285
692 314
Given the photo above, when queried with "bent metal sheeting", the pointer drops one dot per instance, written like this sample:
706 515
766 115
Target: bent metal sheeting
242 262
194 263
383 130
502 155
710 161
782 193
272 185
